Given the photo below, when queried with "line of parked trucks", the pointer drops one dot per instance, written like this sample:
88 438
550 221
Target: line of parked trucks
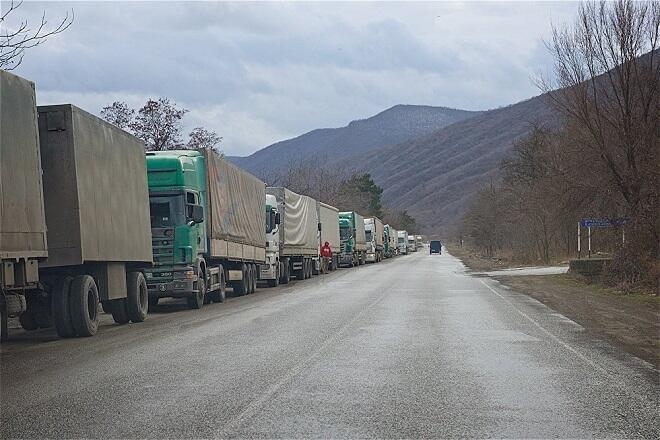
83 224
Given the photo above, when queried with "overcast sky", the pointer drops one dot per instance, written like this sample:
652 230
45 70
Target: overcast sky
257 73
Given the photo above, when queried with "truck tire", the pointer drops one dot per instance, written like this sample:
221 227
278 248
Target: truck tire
287 274
196 300
60 308
240 287
255 276
119 311
4 318
84 303
220 295
309 268
137 296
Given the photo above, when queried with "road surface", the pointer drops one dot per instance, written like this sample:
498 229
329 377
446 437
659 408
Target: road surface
411 347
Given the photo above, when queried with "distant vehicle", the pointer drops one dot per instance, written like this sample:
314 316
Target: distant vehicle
412 243
353 239
374 232
402 242
390 242
435 247
419 241
297 249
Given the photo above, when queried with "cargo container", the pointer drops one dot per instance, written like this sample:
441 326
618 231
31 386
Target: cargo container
353 251
329 220
295 246
207 226
375 237
82 180
402 242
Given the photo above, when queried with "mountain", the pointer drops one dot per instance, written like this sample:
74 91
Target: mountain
393 126
434 176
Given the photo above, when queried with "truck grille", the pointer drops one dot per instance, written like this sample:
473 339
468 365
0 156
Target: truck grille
162 243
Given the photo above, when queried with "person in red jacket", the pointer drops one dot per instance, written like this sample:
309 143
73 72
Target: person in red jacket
326 255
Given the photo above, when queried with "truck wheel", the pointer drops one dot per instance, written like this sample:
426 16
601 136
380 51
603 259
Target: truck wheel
137 296
60 308
119 311
287 274
4 326
27 321
84 303
252 279
255 275
220 295
240 287
196 300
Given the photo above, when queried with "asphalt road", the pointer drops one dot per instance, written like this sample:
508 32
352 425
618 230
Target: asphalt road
411 347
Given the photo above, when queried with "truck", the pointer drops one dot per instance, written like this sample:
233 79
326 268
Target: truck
402 242
353 250
295 243
374 232
74 216
329 220
419 241
390 242
207 227
412 243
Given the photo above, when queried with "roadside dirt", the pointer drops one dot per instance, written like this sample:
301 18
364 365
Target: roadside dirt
630 321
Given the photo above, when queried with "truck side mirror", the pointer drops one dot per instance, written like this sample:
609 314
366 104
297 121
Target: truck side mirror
197 214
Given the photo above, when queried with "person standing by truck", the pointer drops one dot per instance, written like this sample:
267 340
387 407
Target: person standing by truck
326 256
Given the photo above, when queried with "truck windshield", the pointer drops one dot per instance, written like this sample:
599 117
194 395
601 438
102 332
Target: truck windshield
345 233
368 235
270 221
166 211
400 240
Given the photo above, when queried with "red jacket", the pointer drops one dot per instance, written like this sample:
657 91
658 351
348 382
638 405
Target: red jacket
326 251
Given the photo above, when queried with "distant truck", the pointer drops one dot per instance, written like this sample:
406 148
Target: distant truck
74 216
297 249
390 241
207 227
419 241
374 234
412 243
402 242
353 239
329 220
435 247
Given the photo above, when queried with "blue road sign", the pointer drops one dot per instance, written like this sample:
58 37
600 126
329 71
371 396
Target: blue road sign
603 222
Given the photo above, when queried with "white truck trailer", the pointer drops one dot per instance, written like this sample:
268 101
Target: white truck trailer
329 231
297 250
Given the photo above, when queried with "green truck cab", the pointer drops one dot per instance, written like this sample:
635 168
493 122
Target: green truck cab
207 227
177 192
353 242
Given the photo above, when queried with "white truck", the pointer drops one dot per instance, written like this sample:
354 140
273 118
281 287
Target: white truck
293 242
329 231
374 232
412 243
403 242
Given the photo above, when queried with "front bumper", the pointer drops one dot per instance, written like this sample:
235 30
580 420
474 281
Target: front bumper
171 289
268 272
371 258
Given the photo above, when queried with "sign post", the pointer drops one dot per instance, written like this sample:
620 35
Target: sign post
601 223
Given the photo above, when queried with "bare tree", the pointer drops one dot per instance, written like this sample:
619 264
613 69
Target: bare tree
201 138
15 40
119 114
608 88
158 124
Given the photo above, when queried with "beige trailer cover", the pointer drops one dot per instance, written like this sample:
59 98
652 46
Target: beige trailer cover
329 218
22 220
236 203
299 217
95 189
